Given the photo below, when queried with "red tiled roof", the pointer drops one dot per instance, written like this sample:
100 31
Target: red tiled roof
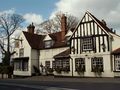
64 54
117 51
36 41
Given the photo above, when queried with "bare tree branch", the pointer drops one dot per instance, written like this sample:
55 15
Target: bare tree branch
8 24
54 24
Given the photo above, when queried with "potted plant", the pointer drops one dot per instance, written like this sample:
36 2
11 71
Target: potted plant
66 69
97 69
80 69
58 69
50 70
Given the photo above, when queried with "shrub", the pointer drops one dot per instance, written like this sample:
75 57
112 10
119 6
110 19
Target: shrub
97 69
66 69
80 69
50 70
37 71
58 69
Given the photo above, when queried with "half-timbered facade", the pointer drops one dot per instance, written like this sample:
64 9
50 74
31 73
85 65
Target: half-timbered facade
92 44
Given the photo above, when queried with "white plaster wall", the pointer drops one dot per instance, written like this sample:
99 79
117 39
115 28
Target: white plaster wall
22 73
115 42
34 59
106 65
48 54
27 53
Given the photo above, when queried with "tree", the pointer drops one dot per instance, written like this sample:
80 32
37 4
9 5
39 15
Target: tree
54 24
8 24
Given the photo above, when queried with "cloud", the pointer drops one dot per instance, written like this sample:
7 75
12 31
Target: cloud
32 17
109 10
10 11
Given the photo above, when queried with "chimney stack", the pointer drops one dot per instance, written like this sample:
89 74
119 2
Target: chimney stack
31 28
63 26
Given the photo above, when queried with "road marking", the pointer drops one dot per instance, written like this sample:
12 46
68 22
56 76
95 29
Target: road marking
36 86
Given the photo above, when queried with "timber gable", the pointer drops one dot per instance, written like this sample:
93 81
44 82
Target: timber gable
91 35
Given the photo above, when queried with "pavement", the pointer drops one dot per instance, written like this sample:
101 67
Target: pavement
73 79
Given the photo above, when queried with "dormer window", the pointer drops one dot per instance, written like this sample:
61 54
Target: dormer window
67 40
48 43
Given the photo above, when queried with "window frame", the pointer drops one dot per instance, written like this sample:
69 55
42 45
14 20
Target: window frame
48 43
117 62
79 63
87 44
97 62
47 64
21 52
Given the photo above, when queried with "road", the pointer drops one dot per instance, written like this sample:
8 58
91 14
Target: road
56 85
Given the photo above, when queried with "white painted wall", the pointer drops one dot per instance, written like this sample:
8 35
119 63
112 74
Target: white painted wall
48 54
27 53
106 65
34 59
115 42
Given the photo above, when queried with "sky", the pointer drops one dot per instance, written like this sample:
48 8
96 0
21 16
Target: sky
38 11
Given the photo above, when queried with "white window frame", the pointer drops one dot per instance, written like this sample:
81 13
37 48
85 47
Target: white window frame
48 43
97 61
87 44
79 62
21 52
117 62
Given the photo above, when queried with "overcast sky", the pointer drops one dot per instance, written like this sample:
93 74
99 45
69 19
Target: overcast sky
39 10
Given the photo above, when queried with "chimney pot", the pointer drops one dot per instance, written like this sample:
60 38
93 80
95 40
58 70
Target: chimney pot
31 28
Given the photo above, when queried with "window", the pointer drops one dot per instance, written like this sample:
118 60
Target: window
17 66
47 64
97 64
66 65
25 65
48 43
53 64
67 40
117 62
63 65
79 64
21 52
58 63
87 44
16 44
21 65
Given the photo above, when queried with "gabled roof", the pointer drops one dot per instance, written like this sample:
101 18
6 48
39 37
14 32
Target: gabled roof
37 41
117 51
98 22
34 40
64 54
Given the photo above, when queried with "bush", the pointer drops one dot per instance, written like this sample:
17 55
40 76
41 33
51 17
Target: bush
37 71
50 70
80 69
66 69
97 69
58 69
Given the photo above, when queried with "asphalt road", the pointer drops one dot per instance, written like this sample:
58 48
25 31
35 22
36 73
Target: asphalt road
48 85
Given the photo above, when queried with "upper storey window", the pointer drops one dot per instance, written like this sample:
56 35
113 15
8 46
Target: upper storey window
87 44
48 43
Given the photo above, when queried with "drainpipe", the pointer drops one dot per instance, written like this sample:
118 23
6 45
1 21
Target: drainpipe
72 65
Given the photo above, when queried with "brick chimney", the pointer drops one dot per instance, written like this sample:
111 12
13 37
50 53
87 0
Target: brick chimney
63 26
31 28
